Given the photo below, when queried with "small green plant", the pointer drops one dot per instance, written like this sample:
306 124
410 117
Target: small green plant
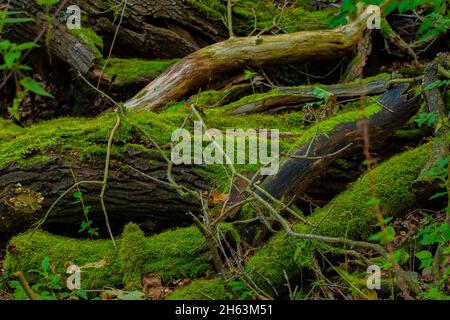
12 55
86 224
241 290
436 20
47 285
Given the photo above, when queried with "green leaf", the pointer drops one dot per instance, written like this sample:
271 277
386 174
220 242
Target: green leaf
321 93
425 257
77 195
390 7
438 195
11 57
5 44
34 86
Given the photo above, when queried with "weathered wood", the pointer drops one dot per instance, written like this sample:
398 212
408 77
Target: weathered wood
196 70
286 97
436 105
129 197
296 175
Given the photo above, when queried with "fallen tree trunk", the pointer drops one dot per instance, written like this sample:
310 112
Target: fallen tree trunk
196 70
317 152
150 28
130 196
283 257
285 97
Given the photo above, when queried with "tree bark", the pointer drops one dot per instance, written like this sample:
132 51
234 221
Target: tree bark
130 196
196 70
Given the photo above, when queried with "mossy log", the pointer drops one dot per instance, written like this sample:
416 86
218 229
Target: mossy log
347 215
42 158
298 96
337 137
196 70
50 157
171 255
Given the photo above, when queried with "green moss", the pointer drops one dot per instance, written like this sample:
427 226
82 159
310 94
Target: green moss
230 233
173 254
386 30
411 133
213 289
246 13
176 254
131 256
91 39
85 138
347 215
323 128
8 130
299 19
128 70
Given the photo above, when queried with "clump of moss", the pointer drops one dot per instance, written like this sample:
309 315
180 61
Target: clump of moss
246 13
126 71
347 215
131 256
173 254
176 254
213 289
91 39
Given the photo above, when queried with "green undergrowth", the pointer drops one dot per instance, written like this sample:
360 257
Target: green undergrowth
127 71
347 215
173 254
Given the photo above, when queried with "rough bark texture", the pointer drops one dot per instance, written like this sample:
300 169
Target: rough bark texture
293 97
197 69
129 196
295 175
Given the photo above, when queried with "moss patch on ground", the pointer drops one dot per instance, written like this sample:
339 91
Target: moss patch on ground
347 215
173 254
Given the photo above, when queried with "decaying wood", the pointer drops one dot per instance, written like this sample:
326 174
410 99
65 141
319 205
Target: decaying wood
436 105
285 97
150 28
130 196
296 174
63 45
196 70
